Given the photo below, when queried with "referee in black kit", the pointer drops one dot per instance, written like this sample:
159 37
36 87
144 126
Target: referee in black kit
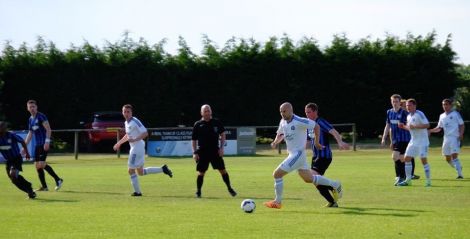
205 142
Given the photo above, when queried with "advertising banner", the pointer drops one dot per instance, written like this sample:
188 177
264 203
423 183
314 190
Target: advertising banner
177 142
22 134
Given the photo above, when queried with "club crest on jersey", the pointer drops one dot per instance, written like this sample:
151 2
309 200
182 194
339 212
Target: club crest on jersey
35 127
292 127
216 129
9 141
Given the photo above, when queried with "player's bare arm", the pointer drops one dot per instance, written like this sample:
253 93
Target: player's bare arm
385 133
47 143
277 140
222 143
120 142
316 131
195 154
341 144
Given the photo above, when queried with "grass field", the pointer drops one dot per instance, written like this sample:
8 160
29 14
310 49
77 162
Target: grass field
95 203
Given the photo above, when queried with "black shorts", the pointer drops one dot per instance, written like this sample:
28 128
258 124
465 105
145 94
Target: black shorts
209 156
39 153
400 147
321 164
16 163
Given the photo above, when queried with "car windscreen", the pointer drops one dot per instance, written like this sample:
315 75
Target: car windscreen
108 117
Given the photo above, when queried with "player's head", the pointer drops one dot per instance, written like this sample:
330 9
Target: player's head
447 105
32 106
395 100
127 111
286 111
411 105
311 111
403 104
3 127
206 112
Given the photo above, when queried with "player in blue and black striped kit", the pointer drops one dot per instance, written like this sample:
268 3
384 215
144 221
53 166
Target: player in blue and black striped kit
322 158
11 152
39 127
399 137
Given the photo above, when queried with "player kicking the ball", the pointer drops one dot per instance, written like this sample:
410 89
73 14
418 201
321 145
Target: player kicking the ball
135 135
293 129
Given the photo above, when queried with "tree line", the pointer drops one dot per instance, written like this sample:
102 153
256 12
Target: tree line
245 81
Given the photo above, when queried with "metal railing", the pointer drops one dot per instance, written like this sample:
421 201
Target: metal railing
76 132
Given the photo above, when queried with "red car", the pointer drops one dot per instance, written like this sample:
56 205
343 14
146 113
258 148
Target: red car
104 127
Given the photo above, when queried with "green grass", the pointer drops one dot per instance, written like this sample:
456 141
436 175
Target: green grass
95 203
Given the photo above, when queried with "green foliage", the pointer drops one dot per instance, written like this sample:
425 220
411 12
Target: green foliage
244 81
462 93
264 140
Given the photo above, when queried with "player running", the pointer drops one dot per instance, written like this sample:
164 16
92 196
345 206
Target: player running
322 157
135 135
10 151
293 129
454 127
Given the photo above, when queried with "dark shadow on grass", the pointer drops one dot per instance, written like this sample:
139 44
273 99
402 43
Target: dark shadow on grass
451 179
392 212
363 211
228 197
106 193
48 200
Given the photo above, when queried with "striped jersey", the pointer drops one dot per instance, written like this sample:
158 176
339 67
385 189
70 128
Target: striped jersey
35 125
419 137
9 145
450 123
134 128
393 118
295 132
325 128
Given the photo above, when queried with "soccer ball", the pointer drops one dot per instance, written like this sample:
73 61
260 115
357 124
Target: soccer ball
248 205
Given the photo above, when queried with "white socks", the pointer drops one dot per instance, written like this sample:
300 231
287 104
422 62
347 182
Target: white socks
408 170
427 171
320 180
278 188
135 183
152 170
458 166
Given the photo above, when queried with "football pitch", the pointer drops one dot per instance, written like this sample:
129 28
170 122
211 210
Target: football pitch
95 201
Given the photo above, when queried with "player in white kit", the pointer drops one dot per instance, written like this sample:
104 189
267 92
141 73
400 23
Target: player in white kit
417 124
454 127
293 129
135 135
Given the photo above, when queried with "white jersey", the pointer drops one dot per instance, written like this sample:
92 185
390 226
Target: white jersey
450 123
419 137
134 128
295 132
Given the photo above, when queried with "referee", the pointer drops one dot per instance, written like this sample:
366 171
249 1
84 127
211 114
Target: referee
206 135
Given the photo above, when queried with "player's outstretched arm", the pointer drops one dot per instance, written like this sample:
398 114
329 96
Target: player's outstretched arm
339 139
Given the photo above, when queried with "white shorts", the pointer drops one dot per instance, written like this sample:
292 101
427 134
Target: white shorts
416 150
136 157
297 160
451 145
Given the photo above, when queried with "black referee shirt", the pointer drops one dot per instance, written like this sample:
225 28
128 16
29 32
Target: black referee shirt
207 133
